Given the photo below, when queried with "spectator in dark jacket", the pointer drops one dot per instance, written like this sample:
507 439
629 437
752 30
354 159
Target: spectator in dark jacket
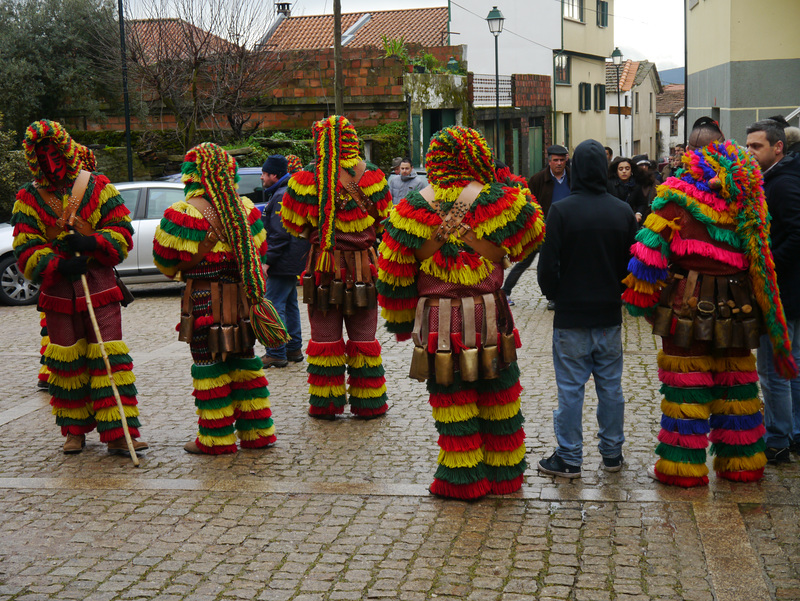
645 189
620 179
582 264
286 257
549 185
766 141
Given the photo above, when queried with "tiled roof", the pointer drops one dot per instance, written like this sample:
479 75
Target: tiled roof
425 26
670 101
174 38
631 73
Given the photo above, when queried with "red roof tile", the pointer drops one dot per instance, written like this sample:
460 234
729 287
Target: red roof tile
425 26
157 39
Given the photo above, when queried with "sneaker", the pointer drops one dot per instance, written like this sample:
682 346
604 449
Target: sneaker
551 305
74 444
510 302
295 356
555 466
776 456
268 361
613 464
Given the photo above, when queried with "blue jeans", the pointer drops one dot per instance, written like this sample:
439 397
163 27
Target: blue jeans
282 293
781 397
577 354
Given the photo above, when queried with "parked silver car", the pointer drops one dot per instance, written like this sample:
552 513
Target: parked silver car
146 201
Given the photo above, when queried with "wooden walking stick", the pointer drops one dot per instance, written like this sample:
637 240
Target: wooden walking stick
100 342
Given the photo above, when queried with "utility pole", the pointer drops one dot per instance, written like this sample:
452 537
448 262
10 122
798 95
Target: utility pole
126 103
338 80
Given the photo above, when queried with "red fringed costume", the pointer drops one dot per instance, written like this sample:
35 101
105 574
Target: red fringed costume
476 409
339 203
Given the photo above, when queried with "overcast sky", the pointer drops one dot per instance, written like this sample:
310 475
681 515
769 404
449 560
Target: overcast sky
643 29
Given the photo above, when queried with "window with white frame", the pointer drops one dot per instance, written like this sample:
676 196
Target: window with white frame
573 9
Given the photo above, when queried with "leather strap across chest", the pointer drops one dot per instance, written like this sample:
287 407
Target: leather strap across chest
452 224
67 215
214 234
350 184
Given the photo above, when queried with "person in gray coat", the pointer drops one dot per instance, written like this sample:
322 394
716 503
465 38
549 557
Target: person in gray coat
401 185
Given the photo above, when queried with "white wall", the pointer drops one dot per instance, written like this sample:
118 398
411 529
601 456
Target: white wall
536 20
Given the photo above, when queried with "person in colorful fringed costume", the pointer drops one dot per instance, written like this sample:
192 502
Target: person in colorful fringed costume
214 240
70 222
339 204
88 162
703 274
429 269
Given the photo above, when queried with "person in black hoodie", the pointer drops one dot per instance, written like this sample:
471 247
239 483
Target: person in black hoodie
286 258
766 141
581 266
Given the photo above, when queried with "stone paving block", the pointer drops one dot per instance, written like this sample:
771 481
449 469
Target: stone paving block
339 510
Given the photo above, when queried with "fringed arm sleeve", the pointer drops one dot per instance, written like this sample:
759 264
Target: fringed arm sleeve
509 218
648 265
407 229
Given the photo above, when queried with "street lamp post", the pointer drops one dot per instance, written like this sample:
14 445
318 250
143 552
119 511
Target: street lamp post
616 58
495 20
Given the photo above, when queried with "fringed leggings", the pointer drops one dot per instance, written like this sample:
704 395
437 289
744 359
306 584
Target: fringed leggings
481 440
329 357
702 394
82 397
44 373
231 395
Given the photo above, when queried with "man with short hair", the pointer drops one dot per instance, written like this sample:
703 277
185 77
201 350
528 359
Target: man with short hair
406 181
766 141
583 261
286 258
549 185
609 154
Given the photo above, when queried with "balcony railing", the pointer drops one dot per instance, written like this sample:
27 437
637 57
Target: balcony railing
483 91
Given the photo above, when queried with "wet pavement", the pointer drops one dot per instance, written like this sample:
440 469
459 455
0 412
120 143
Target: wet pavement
340 510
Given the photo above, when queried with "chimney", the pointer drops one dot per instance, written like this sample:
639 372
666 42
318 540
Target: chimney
284 8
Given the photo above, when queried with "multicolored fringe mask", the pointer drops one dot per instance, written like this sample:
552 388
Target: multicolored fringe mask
456 156
336 146
61 142
88 161
293 163
210 172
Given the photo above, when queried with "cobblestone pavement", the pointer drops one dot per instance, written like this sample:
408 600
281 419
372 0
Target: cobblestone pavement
340 510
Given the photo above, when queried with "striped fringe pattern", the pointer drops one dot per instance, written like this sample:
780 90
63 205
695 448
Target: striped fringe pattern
82 395
502 435
232 397
366 381
481 440
326 367
44 373
696 388
461 473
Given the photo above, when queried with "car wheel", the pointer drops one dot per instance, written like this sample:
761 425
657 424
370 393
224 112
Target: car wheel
14 288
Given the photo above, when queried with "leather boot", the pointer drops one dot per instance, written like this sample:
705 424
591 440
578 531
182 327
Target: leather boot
119 446
74 444
191 447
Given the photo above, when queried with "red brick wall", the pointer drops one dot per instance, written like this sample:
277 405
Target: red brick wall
373 91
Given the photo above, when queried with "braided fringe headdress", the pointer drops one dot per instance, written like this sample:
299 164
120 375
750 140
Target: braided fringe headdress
293 163
336 146
87 159
210 172
456 156
729 172
38 131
